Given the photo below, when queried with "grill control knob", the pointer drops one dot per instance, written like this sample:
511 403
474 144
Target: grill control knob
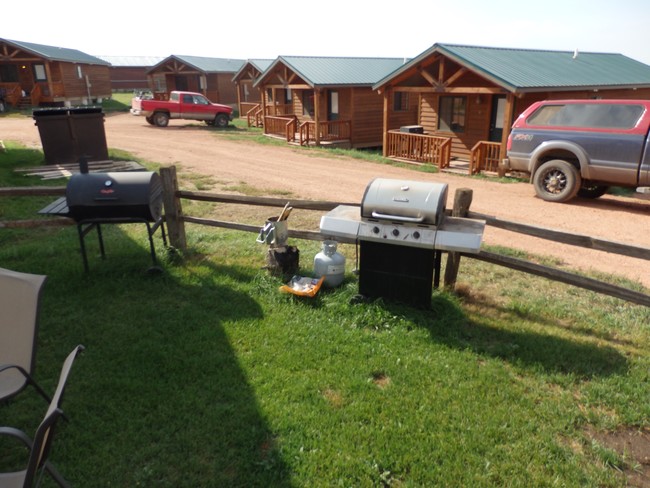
416 235
375 230
395 232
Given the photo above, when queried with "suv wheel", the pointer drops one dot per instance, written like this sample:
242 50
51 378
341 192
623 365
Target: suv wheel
557 181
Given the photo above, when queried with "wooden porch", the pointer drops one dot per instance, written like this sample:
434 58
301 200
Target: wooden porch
42 92
255 113
289 128
430 149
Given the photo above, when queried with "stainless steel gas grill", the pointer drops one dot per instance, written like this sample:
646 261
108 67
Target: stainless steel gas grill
401 230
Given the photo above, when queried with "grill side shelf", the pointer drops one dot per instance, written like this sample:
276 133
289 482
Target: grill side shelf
57 207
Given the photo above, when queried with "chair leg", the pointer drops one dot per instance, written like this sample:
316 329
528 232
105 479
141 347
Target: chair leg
56 476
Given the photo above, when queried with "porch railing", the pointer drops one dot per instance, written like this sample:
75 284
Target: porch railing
284 126
330 130
254 115
11 93
484 157
421 148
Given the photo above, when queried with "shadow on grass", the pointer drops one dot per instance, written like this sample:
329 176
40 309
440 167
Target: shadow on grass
160 398
549 353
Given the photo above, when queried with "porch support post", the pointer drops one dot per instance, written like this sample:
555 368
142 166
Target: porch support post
263 103
274 94
384 136
239 87
507 122
48 74
317 93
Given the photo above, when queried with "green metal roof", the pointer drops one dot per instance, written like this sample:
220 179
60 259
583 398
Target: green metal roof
330 71
526 70
207 65
259 64
53 53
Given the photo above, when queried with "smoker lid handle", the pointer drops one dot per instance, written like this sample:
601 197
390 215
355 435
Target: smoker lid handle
378 215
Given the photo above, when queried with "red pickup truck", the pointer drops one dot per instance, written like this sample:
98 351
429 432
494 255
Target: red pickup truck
182 105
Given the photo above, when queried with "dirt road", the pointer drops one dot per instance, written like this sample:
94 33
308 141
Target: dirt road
308 176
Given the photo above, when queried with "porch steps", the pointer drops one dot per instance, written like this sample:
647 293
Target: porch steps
24 103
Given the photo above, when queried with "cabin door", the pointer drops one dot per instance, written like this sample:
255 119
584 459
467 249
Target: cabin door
496 119
180 83
332 105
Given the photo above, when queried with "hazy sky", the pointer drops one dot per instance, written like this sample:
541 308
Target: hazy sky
250 29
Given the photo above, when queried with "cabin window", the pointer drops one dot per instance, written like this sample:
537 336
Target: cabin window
269 94
39 72
400 101
79 74
9 73
451 114
308 102
288 92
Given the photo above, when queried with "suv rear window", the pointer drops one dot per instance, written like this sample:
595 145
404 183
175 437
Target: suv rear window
602 116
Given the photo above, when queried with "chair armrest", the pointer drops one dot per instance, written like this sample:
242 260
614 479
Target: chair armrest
18 434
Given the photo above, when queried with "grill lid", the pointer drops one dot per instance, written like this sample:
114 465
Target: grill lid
118 195
408 201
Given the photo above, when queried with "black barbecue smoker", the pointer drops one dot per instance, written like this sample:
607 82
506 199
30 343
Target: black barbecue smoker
94 199
401 229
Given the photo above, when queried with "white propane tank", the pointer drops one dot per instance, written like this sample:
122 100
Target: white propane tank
330 263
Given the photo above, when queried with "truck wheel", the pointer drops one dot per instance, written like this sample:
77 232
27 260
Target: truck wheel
221 121
592 191
161 119
557 181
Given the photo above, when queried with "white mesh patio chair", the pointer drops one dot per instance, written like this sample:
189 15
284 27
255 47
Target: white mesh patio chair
39 446
20 297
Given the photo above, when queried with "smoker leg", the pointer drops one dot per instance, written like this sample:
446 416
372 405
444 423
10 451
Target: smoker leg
160 223
151 245
100 237
82 245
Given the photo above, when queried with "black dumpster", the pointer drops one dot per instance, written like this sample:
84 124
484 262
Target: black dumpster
70 133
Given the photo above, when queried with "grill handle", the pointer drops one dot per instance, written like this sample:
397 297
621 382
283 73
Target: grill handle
378 215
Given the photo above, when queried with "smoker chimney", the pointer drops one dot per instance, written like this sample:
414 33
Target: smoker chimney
83 165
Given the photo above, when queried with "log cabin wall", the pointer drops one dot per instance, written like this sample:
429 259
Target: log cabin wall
221 88
73 77
408 116
366 109
476 127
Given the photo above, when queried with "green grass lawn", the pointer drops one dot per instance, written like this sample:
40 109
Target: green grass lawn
205 375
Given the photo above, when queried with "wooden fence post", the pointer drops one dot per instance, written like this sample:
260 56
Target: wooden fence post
173 208
462 202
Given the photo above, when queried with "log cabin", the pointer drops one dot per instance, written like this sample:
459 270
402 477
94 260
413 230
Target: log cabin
129 73
328 100
248 96
469 96
210 76
36 75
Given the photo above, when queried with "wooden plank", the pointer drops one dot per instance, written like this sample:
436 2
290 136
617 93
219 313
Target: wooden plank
563 277
32 191
565 237
260 201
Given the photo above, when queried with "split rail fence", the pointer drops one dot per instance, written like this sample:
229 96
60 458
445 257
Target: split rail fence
176 221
